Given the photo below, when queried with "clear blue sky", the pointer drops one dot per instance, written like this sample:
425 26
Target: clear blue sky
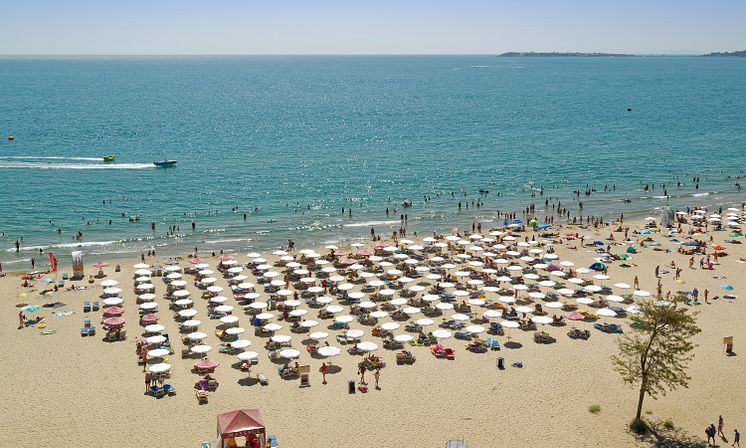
368 27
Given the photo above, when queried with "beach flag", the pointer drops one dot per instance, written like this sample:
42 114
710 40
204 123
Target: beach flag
52 262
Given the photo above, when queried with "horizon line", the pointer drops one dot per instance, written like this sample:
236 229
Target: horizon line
332 54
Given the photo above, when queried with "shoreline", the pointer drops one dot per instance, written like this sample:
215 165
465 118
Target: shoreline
256 240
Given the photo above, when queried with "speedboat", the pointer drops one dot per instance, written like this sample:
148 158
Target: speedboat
164 162
108 158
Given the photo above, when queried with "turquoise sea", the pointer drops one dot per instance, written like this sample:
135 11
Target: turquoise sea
300 138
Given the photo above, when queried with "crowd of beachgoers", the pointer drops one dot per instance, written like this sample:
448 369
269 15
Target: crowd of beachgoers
205 323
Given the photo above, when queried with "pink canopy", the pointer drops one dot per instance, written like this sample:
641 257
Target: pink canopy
205 364
113 311
100 264
114 322
196 260
365 253
575 316
226 257
347 262
150 318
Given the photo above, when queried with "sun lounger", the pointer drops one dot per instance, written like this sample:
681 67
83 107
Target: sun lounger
86 307
404 357
94 306
493 343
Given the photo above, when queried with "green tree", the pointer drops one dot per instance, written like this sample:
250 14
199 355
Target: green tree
656 353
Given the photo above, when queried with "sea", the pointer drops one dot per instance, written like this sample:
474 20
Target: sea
291 141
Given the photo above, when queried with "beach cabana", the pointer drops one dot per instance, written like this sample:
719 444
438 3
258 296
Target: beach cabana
246 423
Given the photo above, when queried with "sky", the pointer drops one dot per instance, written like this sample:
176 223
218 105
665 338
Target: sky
175 27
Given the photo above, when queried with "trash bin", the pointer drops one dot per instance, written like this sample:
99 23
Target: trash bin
500 363
351 387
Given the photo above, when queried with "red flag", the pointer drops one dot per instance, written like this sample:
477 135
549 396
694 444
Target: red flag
52 262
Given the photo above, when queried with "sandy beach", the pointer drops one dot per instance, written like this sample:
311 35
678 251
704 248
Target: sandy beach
68 390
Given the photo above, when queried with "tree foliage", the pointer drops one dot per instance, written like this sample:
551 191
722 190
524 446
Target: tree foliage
654 357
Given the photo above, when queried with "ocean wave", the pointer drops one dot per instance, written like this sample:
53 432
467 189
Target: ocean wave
228 240
66 245
699 195
75 166
372 223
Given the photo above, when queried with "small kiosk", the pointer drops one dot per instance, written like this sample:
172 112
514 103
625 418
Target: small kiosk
241 428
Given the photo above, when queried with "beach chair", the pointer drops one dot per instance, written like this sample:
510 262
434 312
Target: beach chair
496 328
84 331
464 335
404 357
169 390
94 306
438 350
86 307
450 353
494 344
201 396
304 372
157 392
92 330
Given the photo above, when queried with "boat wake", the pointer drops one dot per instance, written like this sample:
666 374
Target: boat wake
89 159
74 166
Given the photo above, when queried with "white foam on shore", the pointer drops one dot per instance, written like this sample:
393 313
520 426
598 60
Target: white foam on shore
372 223
64 245
229 240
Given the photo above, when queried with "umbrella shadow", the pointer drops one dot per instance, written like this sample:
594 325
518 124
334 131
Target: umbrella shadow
248 381
512 345
332 369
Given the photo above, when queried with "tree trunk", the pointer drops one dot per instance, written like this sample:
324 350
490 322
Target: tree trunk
639 402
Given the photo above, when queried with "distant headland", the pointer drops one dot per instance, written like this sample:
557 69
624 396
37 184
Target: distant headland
557 54
732 54
534 54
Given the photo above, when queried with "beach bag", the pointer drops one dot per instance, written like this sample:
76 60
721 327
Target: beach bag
362 388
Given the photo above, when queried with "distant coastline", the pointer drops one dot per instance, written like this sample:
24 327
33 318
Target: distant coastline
533 54
732 54
556 54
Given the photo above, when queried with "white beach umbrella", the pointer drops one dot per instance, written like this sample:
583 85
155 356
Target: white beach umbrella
442 334
318 335
328 351
289 353
366 346
159 368
192 323
541 320
229 319
196 336
247 356
281 338
606 312
200 349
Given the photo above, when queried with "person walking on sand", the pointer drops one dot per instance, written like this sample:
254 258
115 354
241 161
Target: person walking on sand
21 320
736 438
377 375
362 374
323 369
720 426
148 380
710 432
636 283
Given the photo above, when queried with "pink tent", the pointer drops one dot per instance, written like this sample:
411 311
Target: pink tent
242 423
